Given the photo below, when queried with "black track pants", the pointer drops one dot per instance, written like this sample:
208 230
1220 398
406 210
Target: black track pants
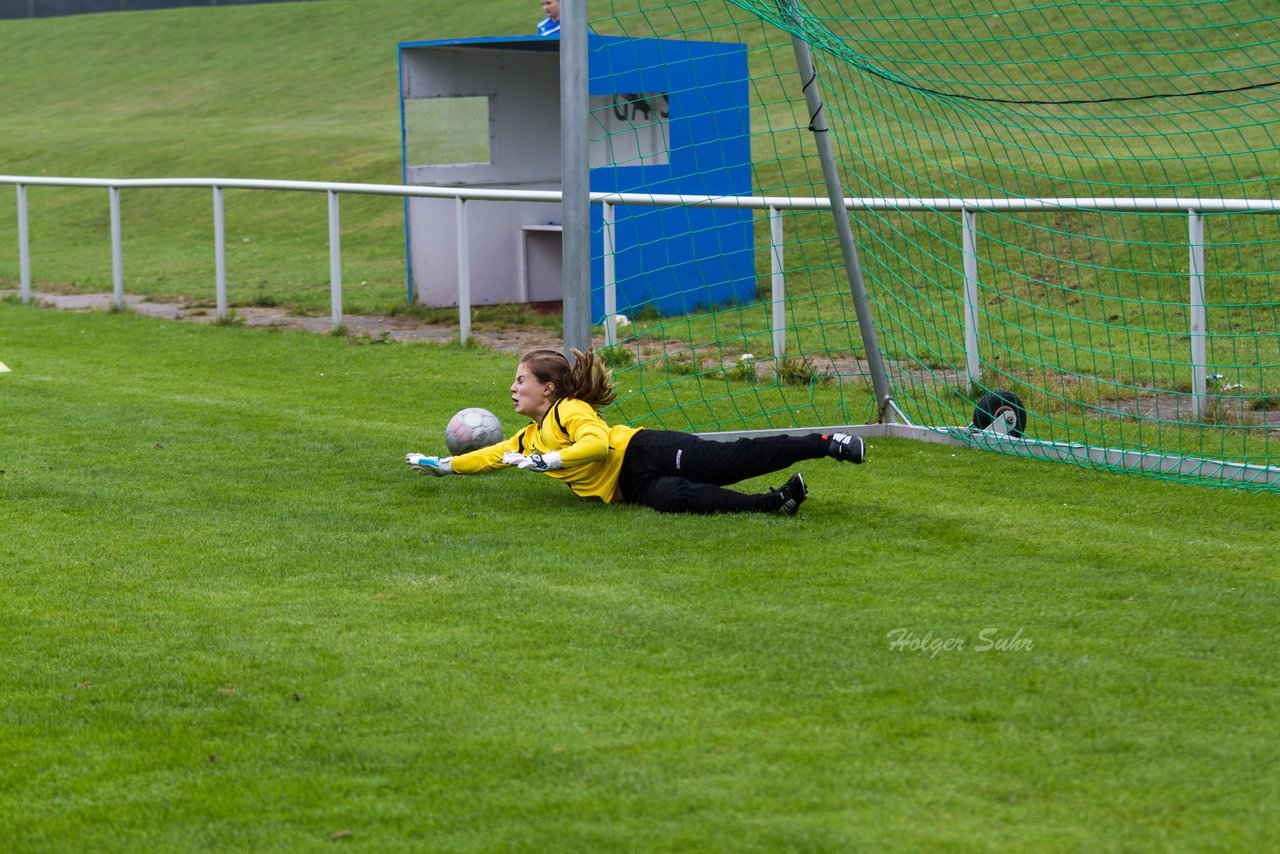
681 473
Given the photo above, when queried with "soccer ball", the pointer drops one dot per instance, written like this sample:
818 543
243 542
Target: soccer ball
472 429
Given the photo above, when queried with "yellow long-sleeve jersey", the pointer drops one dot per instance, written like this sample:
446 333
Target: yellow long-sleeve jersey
590 450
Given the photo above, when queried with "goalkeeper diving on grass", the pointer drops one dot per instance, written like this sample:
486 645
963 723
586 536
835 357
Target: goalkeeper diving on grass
671 472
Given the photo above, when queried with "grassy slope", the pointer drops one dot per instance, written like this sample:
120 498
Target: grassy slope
233 620
289 91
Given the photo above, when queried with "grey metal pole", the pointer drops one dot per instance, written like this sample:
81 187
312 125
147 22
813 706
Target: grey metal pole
575 179
335 263
1199 325
117 250
464 271
835 191
969 243
219 255
778 287
610 277
24 247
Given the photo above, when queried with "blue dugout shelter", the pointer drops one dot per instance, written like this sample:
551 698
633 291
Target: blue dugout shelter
667 116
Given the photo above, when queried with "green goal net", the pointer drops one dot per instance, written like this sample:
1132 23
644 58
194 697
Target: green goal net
1069 202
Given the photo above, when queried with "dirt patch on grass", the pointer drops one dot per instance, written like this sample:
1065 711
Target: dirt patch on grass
392 328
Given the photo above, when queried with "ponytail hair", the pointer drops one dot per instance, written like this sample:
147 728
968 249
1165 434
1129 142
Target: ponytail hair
585 380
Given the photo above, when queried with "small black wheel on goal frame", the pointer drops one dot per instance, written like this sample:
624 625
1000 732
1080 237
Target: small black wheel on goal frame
1000 412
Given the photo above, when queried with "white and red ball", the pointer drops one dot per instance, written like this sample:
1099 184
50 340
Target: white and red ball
472 429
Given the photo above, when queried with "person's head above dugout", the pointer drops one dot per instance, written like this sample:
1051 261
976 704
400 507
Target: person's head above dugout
550 25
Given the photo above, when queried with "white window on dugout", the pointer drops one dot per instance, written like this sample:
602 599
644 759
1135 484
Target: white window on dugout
448 131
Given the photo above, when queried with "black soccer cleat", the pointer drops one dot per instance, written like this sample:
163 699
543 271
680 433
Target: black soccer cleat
790 495
850 449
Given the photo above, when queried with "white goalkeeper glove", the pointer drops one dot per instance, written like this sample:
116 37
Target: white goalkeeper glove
430 465
533 462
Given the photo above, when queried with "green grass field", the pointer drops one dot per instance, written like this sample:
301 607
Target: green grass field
233 620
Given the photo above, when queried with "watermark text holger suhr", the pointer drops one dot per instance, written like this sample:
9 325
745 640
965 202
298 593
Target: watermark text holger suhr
989 639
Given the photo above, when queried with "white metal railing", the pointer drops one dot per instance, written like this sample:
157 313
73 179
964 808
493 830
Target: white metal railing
218 185
969 208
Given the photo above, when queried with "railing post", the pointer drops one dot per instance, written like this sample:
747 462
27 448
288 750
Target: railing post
24 247
777 286
1198 314
117 250
335 262
464 273
969 249
220 254
610 277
